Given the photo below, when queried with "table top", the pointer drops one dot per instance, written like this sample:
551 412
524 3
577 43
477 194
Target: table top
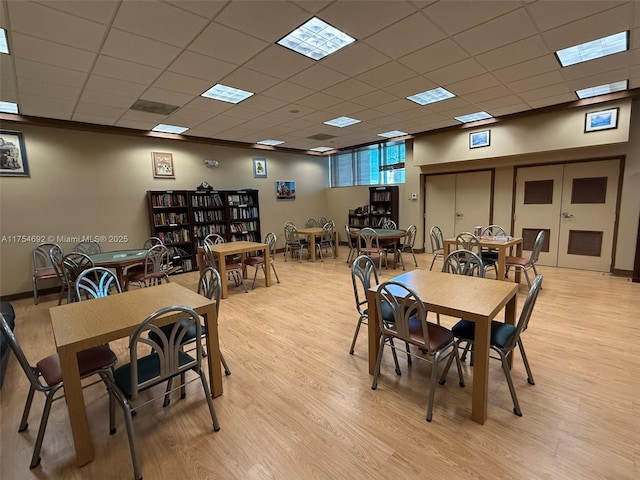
383 232
309 230
118 255
236 247
460 296
491 241
113 317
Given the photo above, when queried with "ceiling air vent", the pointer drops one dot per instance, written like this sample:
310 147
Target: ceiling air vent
321 136
154 107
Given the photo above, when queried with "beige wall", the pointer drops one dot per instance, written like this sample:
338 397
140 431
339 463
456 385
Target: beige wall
546 138
86 183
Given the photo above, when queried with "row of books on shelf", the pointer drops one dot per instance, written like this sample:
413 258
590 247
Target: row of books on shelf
168 200
208 216
201 231
242 213
207 200
240 199
240 227
175 236
169 218
249 237
384 196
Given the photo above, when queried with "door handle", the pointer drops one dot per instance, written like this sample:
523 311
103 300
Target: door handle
458 214
566 215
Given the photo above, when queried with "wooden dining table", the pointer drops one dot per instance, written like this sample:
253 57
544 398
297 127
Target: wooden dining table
233 248
502 246
81 325
119 260
312 233
472 298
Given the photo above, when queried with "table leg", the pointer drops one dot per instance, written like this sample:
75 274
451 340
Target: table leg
336 243
480 393
202 265
373 331
222 269
213 349
517 270
502 255
312 241
75 405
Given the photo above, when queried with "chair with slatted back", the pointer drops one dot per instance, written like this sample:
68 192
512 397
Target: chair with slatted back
326 239
157 264
492 231
167 360
96 282
410 325
437 244
368 244
353 243
43 268
88 247
525 264
468 241
407 245
259 261
294 243
56 255
311 223
233 268
73 264
388 224
504 339
46 377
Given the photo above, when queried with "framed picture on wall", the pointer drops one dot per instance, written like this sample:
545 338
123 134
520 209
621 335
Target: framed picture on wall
480 139
260 167
162 165
285 190
13 159
602 120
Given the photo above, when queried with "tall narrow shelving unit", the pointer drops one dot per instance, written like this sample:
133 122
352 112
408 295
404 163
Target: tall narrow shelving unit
170 222
208 213
383 204
244 215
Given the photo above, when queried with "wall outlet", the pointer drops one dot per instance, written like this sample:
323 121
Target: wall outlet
413 196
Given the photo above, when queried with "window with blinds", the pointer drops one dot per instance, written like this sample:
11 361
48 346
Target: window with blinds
381 164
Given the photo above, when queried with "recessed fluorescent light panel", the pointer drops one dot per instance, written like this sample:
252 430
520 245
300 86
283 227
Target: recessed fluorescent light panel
161 127
603 89
321 149
271 143
431 96
601 47
316 39
393 134
226 94
8 107
473 117
341 122
4 46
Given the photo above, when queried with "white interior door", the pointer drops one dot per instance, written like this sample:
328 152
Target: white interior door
473 201
440 205
587 219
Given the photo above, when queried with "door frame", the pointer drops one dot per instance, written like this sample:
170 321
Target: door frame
616 223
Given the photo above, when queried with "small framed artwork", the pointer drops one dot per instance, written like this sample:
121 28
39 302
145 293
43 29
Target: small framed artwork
480 139
13 158
163 165
260 167
601 120
285 190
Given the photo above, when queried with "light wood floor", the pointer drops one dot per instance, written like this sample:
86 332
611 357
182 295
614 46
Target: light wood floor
298 406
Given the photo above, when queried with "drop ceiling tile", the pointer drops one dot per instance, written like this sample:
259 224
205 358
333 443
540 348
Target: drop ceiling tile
448 104
406 36
369 114
538 81
635 82
146 52
554 100
30 102
49 73
269 20
38 50
219 41
411 87
170 97
95 119
434 56
8 88
349 89
214 107
208 9
144 120
604 77
181 83
55 26
361 20
162 22
200 66
263 103
355 59
511 109
514 53
375 99
397 106
473 84
318 77
454 17
312 6
559 89
59 112
500 31
496 103
97 10
531 68
279 62
319 100
586 69
488 94
188 117
289 92
345 109
125 70
293 111
458 71
548 15
88 108
387 74
244 113
116 87
606 23
109 100
249 80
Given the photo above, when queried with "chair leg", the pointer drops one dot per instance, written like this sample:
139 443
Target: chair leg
167 399
432 387
409 361
395 357
35 459
530 379
35 290
401 259
128 421
207 394
255 274
432 262
512 389
376 373
224 365
24 423
275 272
361 320
414 257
